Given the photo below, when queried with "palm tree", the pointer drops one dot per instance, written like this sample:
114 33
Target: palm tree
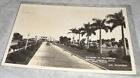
73 31
88 30
79 31
100 24
117 19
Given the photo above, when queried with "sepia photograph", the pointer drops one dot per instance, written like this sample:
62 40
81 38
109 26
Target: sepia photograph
90 39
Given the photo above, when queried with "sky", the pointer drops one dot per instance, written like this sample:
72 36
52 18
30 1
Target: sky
55 21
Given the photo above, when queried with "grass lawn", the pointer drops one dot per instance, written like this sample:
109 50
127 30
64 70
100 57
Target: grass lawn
102 60
23 56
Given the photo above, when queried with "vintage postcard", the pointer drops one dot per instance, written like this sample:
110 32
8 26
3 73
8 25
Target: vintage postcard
71 38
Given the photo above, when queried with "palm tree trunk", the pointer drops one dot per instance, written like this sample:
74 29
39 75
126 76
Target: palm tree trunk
123 41
79 39
73 38
87 42
100 44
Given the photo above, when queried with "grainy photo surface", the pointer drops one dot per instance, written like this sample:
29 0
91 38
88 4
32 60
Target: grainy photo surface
94 39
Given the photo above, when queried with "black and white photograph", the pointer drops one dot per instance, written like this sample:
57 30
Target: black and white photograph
88 39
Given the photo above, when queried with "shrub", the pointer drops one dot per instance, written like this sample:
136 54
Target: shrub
21 44
81 47
74 46
93 49
16 57
14 47
111 54
32 48
116 54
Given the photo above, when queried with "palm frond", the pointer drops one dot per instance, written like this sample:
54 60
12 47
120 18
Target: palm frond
111 16
105 28
114 26
94 32
94 19
104 20
69 32
83 33
94 24
111 21
88 34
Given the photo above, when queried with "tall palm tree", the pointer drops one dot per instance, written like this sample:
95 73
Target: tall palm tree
99 25
88 30
117 19
73 31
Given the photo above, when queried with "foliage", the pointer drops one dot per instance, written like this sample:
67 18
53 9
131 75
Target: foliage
117 19
17 36
21 44
64 40
16 57
88 30
82 44
100 24
116 54
93 49
23 56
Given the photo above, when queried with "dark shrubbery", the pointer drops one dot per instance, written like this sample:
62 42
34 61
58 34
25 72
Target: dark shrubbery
21 44
81 47
23 56
93 49
16 57
119 54
126 58
116 54
74 46
111 54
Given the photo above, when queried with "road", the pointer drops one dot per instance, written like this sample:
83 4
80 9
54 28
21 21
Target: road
54 56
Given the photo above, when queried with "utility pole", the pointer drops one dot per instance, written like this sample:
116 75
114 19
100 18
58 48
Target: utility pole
27 42
36 38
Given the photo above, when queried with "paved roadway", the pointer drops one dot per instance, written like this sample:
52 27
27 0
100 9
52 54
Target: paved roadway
54 56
